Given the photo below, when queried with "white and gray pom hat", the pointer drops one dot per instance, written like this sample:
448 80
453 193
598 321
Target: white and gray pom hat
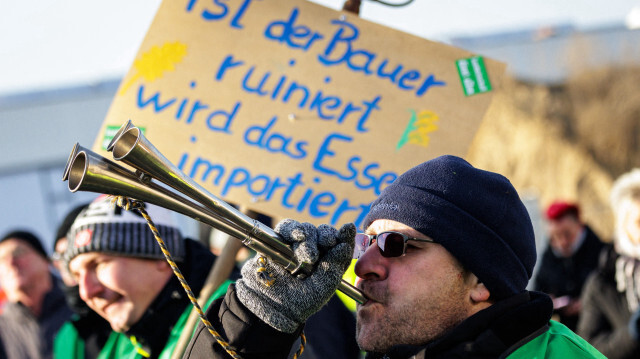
107 228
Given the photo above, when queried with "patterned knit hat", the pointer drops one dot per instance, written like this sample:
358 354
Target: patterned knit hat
107 228
476 215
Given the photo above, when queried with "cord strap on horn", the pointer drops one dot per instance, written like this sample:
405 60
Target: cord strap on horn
131 204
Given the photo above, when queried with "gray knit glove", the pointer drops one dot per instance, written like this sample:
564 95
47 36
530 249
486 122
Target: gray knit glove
289 301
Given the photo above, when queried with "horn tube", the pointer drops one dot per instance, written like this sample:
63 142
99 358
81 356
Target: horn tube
88 171
135 150
93 173
121 130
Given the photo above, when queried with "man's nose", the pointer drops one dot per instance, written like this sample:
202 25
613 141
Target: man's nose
89 285
371 264
16 261
13 261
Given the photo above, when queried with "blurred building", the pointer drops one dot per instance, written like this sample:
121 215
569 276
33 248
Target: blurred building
39 130
550 54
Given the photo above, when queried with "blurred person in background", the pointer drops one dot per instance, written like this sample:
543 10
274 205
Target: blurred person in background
3 299
36 306
611 297
571 255
85 334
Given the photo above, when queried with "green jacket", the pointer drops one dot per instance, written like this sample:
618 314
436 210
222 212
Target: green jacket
516 327
556 342
67 343
119 346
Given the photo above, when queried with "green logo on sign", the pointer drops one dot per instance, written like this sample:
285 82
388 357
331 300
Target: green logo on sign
473 75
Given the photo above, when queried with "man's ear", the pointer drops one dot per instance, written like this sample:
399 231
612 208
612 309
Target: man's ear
479 293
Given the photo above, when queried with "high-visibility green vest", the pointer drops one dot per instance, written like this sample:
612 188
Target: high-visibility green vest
67 343
350 277
557 342
119 346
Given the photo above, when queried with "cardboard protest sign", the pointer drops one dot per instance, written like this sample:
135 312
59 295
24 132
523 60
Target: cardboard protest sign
296 110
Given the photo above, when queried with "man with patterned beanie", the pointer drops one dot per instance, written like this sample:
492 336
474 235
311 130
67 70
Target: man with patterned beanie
123 276
445 259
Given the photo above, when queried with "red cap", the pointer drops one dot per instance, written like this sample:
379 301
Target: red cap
559 209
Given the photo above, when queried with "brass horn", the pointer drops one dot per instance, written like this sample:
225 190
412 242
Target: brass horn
94 173
88 171
135 150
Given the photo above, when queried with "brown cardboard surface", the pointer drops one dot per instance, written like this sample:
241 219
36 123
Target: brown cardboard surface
293 109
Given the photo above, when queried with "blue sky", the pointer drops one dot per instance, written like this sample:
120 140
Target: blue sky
49 44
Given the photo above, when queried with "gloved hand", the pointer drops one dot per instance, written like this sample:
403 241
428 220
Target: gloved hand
289 301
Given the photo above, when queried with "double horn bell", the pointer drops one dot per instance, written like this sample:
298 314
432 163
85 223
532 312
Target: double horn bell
88 171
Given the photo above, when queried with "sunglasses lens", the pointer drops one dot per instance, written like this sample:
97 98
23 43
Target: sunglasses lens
362 243
391 244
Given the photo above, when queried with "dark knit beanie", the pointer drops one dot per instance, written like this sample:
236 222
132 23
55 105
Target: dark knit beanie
28 238
476 215
107 228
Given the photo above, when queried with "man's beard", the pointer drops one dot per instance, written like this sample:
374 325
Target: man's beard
408 323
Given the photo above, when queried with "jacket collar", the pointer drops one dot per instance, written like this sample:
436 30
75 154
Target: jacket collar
152 330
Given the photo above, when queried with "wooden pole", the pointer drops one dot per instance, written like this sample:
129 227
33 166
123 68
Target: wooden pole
220 271
352 6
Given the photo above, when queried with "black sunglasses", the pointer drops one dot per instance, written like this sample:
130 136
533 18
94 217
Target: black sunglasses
390 244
